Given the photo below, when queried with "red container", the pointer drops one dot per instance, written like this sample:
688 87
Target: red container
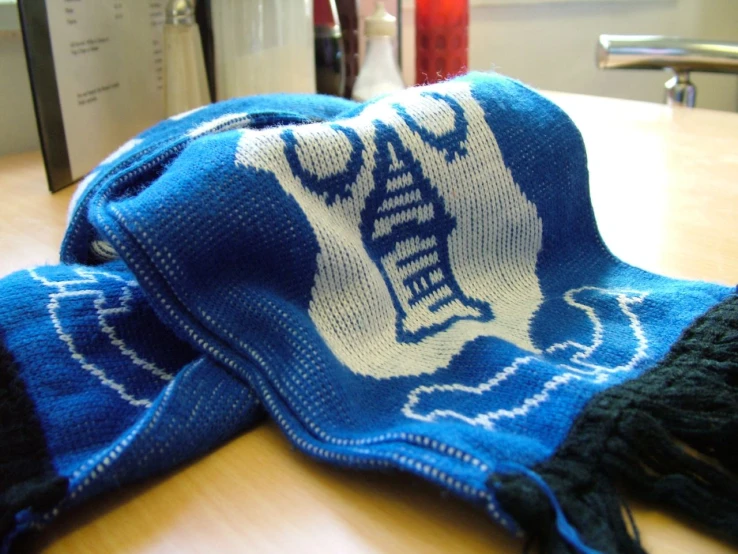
441 39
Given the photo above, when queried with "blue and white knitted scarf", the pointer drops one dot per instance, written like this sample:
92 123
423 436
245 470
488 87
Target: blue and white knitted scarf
416 283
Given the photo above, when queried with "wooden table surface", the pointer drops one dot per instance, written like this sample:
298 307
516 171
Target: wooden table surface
665 190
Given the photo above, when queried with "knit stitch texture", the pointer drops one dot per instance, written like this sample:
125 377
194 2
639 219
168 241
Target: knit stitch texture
97 393
418 283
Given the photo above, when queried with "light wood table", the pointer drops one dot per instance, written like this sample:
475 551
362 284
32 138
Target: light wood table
665 189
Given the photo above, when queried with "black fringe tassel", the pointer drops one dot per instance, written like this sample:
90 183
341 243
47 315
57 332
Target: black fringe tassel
669 436
27 477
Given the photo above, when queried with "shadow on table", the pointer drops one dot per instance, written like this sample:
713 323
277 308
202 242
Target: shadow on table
277 500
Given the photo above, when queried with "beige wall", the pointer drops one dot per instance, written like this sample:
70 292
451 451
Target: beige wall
551 44
17 121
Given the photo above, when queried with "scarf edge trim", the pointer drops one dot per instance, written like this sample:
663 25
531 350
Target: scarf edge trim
28 479
665 436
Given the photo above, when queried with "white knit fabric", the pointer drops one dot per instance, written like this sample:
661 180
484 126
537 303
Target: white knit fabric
497 235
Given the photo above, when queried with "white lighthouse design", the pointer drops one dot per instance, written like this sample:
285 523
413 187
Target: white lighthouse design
405 224
425 240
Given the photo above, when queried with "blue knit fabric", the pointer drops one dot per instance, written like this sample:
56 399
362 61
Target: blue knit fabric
417 284
118 396
414 283
150 152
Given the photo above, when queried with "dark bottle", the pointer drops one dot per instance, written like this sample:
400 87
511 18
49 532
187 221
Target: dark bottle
330 66
349 20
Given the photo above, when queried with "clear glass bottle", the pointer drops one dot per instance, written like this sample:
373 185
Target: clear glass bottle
379 73
185 81
263 46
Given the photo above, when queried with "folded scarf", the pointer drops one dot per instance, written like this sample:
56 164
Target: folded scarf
95 392
418 283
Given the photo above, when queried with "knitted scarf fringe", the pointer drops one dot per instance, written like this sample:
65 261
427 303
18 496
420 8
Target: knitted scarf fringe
27 477
668 436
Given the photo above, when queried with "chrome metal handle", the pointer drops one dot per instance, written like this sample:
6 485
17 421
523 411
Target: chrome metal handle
677 54
658 52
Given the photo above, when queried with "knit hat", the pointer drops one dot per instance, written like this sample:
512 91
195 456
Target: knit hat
419 284
95 392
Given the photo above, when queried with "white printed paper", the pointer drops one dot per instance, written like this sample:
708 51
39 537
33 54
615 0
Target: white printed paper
108 63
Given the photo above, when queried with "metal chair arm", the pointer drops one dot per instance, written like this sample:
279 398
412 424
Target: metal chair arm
679 55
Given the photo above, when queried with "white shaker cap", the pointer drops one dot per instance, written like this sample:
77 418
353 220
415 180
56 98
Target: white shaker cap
380 23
